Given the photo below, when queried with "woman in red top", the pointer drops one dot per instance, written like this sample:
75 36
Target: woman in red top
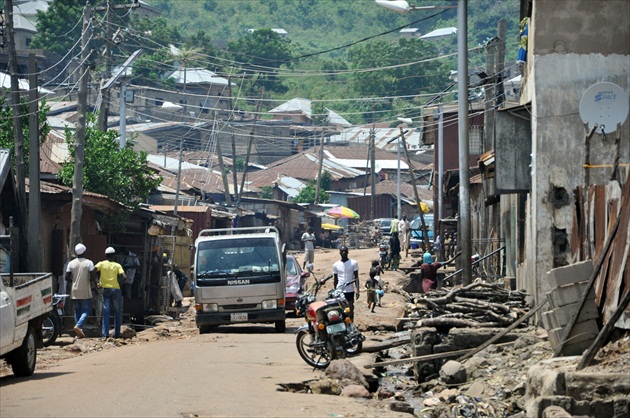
429 269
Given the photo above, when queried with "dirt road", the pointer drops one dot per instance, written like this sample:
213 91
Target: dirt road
171 370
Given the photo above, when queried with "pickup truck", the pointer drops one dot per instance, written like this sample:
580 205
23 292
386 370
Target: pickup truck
25 300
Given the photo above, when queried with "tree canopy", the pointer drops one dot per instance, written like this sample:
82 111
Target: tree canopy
120 173
7 137
260 54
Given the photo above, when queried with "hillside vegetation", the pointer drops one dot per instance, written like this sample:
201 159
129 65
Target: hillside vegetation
331 41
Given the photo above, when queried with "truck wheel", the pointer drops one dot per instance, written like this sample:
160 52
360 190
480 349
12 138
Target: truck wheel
23 359
281 327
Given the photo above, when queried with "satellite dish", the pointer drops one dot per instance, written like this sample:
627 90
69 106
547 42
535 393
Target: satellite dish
605 105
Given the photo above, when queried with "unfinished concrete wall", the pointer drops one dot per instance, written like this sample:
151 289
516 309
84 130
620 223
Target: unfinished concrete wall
573 45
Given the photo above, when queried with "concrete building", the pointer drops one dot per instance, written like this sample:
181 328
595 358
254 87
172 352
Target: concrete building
547 161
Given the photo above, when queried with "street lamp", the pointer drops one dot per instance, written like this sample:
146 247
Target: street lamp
465 235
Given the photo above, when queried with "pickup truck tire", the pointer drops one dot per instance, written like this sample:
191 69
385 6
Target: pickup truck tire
281 327
23 359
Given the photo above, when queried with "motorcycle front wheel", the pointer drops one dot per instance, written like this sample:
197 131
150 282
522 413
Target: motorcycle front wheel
50 330
318 357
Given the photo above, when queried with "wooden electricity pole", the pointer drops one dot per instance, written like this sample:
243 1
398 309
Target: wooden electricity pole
79 151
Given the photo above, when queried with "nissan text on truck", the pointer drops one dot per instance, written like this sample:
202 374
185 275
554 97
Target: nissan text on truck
239 277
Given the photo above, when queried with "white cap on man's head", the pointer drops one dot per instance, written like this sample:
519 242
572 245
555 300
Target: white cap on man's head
79 249
110 250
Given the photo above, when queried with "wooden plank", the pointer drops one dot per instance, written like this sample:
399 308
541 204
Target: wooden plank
426 357
603 335
594 274
505 331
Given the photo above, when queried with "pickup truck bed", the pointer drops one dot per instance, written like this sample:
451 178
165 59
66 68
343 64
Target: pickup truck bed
25 301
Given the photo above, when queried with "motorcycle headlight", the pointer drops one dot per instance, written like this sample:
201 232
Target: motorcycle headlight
333 315
270 304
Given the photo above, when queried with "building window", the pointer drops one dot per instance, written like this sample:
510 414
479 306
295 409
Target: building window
28 41
475 140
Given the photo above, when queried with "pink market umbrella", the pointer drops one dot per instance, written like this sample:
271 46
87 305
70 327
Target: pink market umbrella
340 212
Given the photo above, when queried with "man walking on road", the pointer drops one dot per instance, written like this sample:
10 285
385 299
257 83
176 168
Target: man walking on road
308 238
112 274
80 272
346 277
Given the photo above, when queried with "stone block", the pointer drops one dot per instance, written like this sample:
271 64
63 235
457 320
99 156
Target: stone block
562 276
537 407
559 317
581 337
565 295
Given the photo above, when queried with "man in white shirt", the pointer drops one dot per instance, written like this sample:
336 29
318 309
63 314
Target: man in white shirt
80 272
308 238
346 277
403 228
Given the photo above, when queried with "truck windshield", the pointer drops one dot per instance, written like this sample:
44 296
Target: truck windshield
237 258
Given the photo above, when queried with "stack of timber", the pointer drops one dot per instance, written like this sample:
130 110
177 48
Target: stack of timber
480 304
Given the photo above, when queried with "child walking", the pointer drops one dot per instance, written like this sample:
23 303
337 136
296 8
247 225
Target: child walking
372 284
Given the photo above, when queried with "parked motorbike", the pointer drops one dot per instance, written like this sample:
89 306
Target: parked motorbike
329 333
51 326
385 257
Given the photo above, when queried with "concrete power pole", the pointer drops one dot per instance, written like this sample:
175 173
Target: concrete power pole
34 198
17 132
372 169
79 153
319 169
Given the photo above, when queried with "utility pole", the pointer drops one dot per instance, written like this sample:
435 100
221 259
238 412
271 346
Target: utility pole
79 152
464 241
234 175
226 186
319 169
106 95
34 197
425 235
373 169
179 176
249 148
17 131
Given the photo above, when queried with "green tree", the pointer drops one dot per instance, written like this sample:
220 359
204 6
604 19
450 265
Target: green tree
307 194
121 174
59 27
262 53
266 192
7 137
392 79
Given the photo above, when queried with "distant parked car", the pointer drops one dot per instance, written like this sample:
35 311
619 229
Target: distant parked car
417 236
384 224
296 280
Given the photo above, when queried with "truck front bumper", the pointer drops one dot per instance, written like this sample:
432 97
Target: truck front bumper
226 318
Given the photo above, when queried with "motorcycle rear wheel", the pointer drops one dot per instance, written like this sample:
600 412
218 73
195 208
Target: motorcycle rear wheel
386 263
355 349
50 330
316 357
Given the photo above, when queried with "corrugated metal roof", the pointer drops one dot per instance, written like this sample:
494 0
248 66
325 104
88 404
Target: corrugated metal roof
196 76
297 104
383 134
438 33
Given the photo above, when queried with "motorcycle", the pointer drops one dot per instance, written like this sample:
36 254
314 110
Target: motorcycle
329 333
51 326
385 257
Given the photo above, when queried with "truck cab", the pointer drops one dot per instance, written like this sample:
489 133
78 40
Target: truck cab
239 277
